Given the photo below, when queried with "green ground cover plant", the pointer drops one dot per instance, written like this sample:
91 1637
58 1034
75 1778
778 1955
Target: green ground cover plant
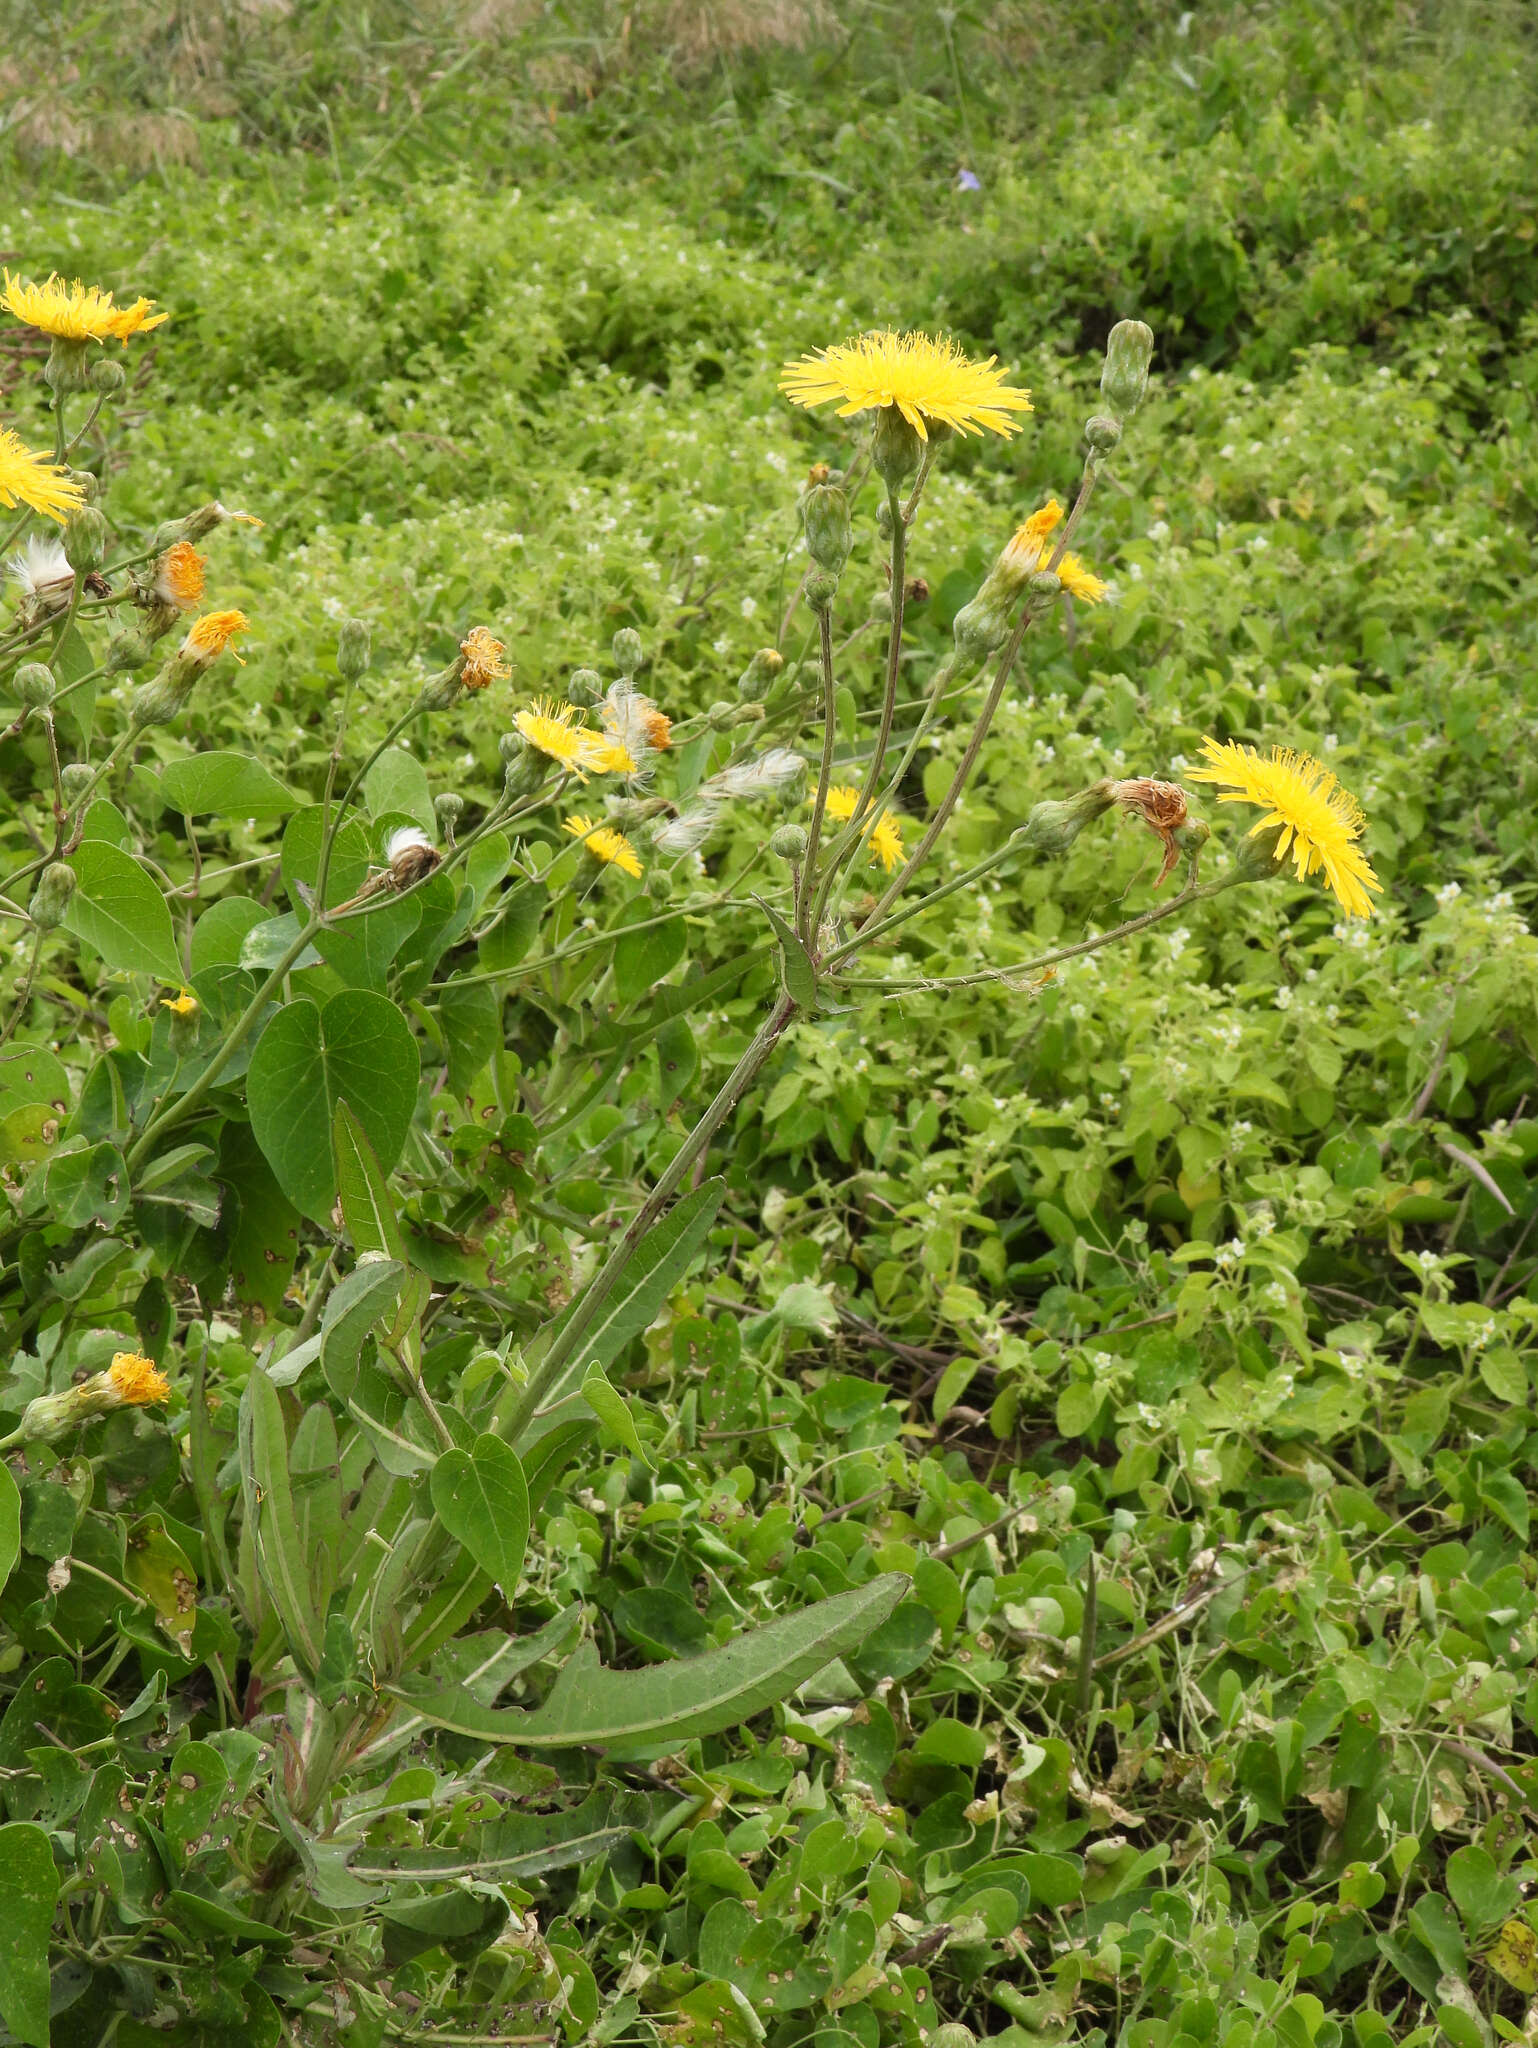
1054 1493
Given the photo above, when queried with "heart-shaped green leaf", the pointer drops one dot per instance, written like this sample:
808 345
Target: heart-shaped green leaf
480 1497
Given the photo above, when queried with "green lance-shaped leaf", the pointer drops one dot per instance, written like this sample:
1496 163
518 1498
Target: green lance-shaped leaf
364 1190
796 969
118 909
356 1304
672 1703
275 1527
518 1844
643 1284
29 1894
480 1497
613 1411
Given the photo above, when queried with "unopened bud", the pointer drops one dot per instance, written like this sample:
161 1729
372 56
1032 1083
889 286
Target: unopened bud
627 650
788 841
721 714
1102 434
895 447
881 607
352 650
821 589
182 1023
127 650
34 685
980 629
825 516
85 540
525 766
754 683
1043 585
1256 858
1053 827
75 778
1128 352
952 2035
448 809
107 377
50 899
585 688
915 591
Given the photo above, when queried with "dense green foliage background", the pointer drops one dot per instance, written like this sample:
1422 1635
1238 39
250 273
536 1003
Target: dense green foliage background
1211 1262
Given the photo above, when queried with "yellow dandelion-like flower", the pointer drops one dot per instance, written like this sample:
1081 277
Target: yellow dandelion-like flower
137 1380
76 312
924 378
184 1005
886 836
552 730
608 756
179 576
483 660
605 844
1030 549
1319 822
26 479
208 637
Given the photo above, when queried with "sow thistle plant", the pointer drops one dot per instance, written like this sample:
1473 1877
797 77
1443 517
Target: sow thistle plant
281 1431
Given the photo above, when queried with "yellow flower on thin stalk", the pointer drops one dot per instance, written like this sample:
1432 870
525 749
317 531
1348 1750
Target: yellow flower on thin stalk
926 379
612 848
76 312
26 479
208 637
1030 549
184 1005
483 662
136 1380
886 838
1317 822
553 730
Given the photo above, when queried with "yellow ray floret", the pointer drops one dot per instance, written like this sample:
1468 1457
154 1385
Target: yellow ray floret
483 660
605 844
179 576
184 1005
1320 823
76 312
886 837
924 378
26 479
137 1380
608 756
1030 549
552 729
208 637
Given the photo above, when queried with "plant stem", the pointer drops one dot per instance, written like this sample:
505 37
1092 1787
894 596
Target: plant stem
825 773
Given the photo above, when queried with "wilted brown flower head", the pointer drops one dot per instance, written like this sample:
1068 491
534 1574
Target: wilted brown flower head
1162 808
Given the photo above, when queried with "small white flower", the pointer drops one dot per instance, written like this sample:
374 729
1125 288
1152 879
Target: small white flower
1284 998
748 607
1448 893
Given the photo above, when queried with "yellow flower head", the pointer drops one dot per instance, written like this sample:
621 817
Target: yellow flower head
553 730
605 844
208 637
179 576
1317 821
26 479
136 1380
659 728
184 1005
76 312
1030 549
886 837
608 756
483 660
924 378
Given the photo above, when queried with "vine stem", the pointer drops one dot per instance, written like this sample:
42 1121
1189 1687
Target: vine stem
599 1288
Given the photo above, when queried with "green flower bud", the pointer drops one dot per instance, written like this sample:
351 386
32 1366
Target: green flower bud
182 1030
952 2035
448 809
788 841
76 778
627 650
754 683
721 714
1053 827
1256 858
352 650
50 899
525 766
980 629
1123 381
825 516
1042 585
85 540
34 685
884 519
585 688
895 447
159 701
1101 433
107 377
821 589
127 650
881 607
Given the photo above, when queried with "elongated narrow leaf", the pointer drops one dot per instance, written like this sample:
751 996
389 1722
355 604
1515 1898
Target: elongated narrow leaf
356 1304
367 1209
279 1546
671 1703
29 1891
644 1283
517 1844
796 969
